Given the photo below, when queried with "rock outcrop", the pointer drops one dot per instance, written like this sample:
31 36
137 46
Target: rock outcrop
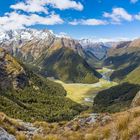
136 100
5 136
12 74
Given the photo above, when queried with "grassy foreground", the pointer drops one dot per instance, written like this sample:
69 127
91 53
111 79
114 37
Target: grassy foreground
119 126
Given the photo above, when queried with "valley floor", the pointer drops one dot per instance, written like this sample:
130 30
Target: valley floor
85 93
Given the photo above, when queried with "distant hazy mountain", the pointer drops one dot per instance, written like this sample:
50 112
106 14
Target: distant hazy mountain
97 49
55 56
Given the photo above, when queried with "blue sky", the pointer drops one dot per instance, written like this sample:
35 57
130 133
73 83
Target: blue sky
77 18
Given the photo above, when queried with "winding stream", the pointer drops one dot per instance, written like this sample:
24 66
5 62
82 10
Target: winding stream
105 72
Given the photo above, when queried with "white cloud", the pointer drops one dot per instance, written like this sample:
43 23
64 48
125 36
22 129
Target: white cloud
134 1
117 15
106 40
41 5
137 17
63 34
65 4
93 22
31 6
10 22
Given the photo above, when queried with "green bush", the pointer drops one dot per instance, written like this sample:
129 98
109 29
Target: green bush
41 100
116 98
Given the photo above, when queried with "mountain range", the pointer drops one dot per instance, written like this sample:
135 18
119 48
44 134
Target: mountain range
55 56
68 59
30 59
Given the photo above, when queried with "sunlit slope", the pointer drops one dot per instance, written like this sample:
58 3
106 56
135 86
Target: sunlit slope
134 76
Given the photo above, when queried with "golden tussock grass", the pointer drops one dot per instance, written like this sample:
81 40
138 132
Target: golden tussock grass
122 126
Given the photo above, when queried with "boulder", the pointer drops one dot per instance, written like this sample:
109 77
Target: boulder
5 136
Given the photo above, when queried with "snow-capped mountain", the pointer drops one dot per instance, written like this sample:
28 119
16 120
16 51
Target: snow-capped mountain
28 34
34 42
14 40
24 34
52 55
31 42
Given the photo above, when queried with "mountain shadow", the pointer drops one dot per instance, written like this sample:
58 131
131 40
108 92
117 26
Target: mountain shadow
116 98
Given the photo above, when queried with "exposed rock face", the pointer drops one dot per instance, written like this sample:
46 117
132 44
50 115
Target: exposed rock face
31 44
51 55
5 136
136 100
12 74
28 129
33 50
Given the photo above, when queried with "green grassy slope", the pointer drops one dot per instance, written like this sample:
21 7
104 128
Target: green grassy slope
68 66
134 76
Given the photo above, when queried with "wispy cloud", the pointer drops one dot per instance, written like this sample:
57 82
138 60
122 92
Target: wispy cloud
10 22
106 40
32 12
134 1
65 4
28 13
31 6
117 15
93 22
40 5
137 17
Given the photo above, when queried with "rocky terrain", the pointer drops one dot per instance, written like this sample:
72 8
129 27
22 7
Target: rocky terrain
46 52
123 125
5 135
